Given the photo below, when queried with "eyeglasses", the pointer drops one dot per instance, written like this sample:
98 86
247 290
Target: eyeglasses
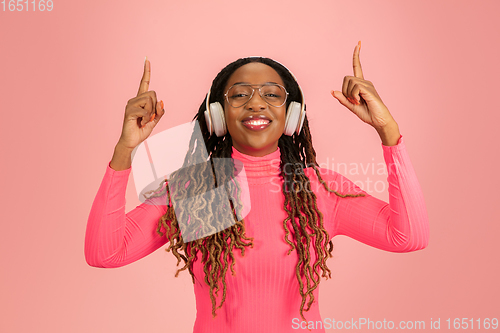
239 94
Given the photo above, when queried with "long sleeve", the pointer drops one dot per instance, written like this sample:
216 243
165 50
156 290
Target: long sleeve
400 226
115 239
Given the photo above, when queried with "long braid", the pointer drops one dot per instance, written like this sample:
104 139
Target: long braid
198 176
301 203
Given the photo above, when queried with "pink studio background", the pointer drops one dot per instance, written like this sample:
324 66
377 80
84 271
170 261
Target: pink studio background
67 75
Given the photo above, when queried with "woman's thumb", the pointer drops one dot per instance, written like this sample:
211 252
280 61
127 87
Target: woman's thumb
342 99
160 110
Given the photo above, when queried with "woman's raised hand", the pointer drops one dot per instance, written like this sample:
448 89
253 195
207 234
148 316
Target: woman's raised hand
360 96
142 113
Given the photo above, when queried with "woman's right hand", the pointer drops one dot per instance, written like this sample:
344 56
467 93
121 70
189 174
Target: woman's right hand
142 113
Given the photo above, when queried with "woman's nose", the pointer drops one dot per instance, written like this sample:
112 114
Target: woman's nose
256 102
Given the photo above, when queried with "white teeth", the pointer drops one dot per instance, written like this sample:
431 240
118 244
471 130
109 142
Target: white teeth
257 122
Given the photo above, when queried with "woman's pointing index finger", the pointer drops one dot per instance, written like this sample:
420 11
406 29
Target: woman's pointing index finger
356 64
144 86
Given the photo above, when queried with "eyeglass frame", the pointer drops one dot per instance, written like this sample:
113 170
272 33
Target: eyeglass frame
253 92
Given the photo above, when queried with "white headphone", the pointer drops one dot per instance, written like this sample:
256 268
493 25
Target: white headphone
216 122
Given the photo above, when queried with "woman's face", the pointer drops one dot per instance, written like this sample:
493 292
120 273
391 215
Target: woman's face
256 140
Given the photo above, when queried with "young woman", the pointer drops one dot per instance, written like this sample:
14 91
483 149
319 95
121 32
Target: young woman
261 273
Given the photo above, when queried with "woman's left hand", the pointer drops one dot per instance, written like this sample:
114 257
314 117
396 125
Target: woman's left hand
360 96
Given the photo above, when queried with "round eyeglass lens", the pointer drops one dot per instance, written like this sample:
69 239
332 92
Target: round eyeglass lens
240 94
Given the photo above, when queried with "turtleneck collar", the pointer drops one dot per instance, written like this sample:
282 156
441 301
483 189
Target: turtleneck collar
258 170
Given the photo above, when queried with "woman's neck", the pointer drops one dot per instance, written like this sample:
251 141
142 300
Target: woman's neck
258 169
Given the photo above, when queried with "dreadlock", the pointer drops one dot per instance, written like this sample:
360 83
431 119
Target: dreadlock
198 176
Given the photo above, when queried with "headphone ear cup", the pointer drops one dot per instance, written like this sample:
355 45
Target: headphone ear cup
209 122
301 122
292 118
218 119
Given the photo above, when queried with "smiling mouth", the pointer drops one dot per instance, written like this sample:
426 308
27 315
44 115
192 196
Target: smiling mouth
257 122
256 125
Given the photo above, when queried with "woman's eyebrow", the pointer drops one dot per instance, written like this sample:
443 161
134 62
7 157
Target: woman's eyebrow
249 83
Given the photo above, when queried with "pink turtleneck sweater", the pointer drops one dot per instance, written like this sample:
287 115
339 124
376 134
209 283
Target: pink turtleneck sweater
264 296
